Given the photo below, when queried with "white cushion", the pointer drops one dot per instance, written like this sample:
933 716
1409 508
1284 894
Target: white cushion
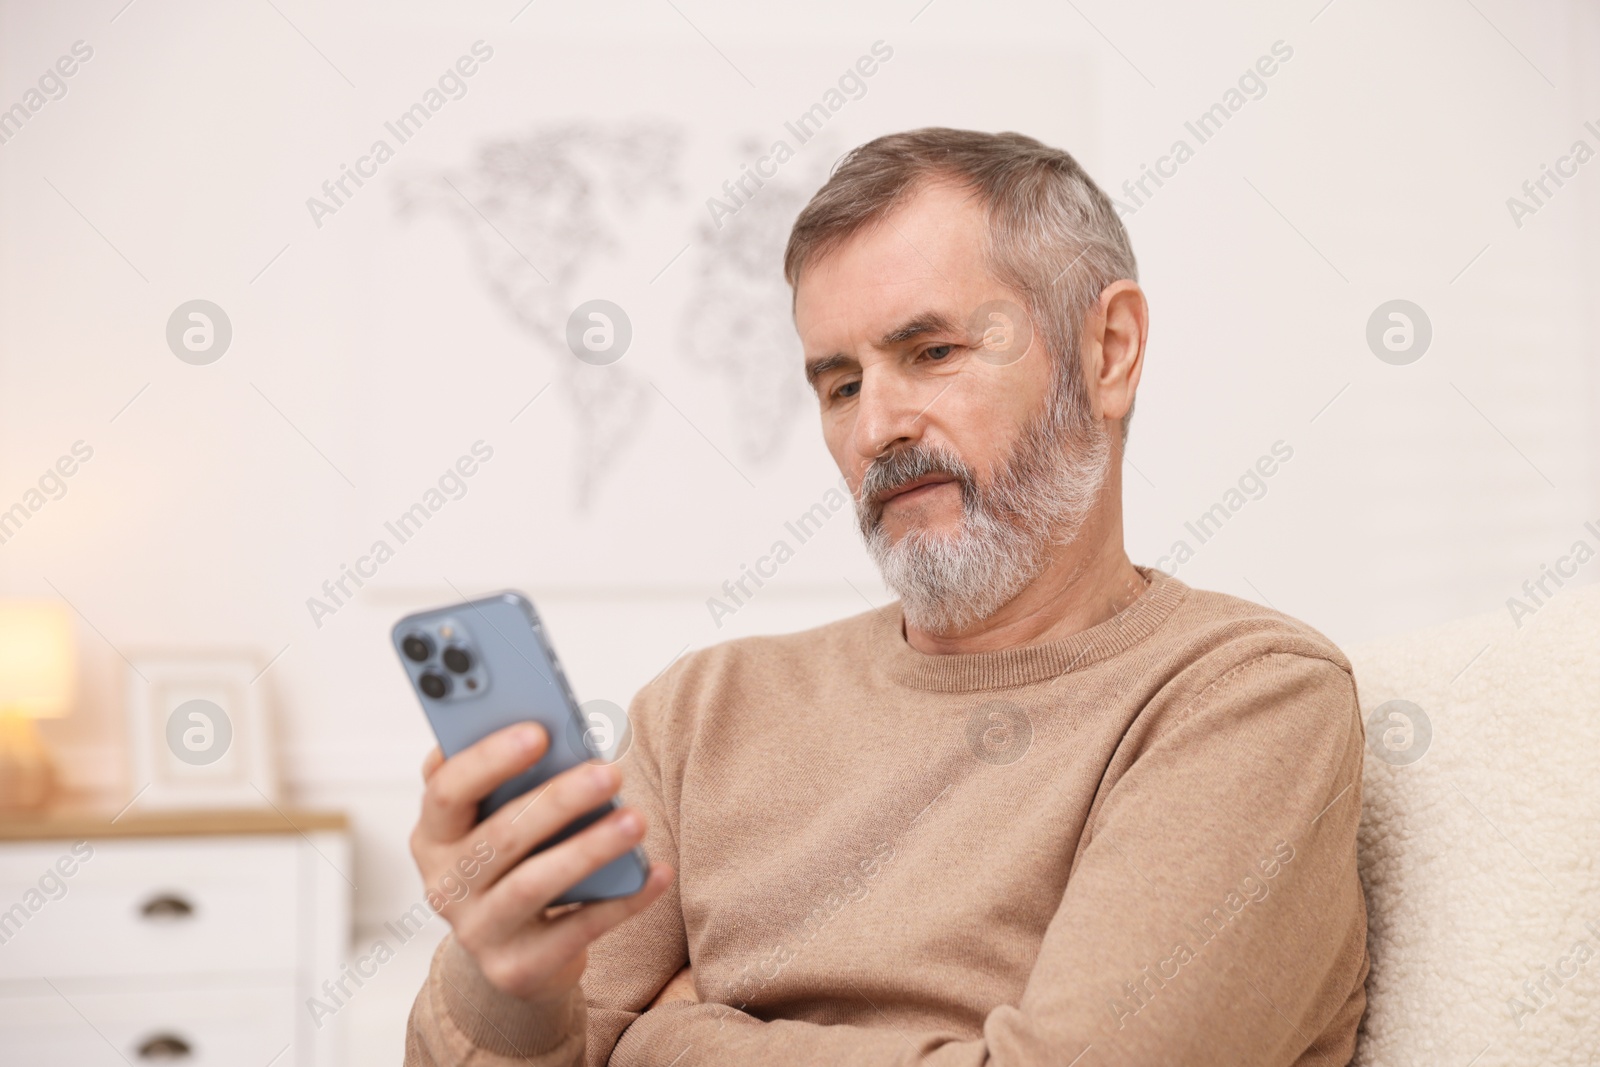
1481 858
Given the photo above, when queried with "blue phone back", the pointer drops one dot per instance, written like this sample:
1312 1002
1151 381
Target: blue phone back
515 677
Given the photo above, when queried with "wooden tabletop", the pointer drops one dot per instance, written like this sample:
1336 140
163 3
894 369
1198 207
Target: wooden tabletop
89 823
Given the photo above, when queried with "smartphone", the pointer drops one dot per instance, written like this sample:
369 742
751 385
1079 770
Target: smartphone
481 666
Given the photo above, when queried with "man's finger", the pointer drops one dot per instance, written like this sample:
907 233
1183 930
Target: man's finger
575 931
537 815
680 987
522 894
511 833
431 762
540 950
450 802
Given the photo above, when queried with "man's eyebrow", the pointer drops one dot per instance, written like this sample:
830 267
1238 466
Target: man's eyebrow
924 323
816 368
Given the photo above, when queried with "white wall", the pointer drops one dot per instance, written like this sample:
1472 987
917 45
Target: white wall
376 348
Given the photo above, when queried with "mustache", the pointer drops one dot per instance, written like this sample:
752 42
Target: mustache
889 472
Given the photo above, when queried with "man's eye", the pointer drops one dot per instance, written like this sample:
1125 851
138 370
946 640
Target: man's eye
938 352
847 390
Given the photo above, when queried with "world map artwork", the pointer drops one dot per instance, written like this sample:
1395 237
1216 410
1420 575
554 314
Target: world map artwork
539 212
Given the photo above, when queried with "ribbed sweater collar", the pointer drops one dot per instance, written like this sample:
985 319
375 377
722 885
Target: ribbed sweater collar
975 671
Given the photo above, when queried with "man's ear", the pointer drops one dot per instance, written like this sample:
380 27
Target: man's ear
1114 334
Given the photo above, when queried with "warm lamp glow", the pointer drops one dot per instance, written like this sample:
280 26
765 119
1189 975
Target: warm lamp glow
37 665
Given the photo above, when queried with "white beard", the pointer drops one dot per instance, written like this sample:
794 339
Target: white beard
1041 496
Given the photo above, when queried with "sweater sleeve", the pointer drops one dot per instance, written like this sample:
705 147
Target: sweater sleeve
1213 915
460 1019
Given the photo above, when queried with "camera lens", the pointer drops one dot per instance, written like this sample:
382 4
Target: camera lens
416 647
434 684
458 660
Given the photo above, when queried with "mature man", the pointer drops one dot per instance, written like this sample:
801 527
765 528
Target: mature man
1049 808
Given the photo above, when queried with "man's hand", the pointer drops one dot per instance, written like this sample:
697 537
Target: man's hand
680 988
497 905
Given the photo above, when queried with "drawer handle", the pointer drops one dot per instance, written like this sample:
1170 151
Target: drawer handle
163 1047
166 907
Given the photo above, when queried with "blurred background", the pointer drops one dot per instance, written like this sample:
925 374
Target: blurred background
239 341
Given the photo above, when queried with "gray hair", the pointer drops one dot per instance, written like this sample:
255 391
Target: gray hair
1054 236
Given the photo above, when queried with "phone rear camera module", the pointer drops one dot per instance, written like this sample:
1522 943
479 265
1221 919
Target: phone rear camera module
434 684
457 660
417 648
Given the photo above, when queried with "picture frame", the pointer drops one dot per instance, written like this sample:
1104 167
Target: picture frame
199 731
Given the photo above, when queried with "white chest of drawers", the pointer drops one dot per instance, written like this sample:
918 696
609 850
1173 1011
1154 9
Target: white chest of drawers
188 939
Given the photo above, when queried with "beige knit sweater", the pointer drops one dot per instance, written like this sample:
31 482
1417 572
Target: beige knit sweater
1133 846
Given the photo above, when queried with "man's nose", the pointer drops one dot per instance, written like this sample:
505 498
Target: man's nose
890 412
